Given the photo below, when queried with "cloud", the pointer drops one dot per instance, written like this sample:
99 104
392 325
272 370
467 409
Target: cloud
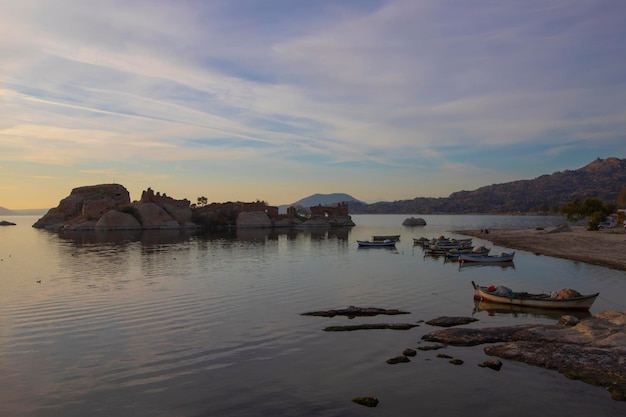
397 87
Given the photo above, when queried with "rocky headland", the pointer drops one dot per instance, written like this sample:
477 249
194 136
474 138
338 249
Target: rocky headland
109 207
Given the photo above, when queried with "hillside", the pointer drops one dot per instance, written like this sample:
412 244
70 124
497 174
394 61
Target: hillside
602 179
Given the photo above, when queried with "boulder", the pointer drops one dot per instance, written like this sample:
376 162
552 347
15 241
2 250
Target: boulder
321 222
412 221
181 214
152 216
341 221
170 225
116 220
287 222
80 224
253 219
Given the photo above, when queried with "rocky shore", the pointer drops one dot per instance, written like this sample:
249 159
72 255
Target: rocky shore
601 247
591 350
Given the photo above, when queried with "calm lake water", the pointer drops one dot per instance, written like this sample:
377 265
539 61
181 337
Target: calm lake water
172 324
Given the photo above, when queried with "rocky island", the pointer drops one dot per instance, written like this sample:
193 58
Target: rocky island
109 207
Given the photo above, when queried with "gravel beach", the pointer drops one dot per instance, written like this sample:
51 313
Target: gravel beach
603 247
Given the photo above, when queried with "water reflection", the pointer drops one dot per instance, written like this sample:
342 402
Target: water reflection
471 265
522 311
147 237
151 237
267 234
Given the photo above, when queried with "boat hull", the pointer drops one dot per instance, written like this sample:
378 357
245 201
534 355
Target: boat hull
369 244
583 302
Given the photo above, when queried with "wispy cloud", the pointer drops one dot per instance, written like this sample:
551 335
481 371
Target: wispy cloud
396 87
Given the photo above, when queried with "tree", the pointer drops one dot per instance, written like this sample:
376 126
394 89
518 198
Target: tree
591 208
572 211
202 201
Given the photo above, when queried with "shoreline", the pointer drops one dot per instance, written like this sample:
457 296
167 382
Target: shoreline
602 247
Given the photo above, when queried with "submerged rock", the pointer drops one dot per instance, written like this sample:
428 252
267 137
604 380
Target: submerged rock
398 359
371 326
494 364
409 352
353 311
431 347
445 321
366 401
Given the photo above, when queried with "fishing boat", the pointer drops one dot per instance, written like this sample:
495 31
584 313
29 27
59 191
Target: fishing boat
500 257
443 241
376 244
566 299
434 250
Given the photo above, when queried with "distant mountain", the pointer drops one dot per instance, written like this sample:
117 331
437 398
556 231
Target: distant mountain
7 212
323 199
31 212
25 212
602 179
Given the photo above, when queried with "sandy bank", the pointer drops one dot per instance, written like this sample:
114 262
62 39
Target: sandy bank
606 247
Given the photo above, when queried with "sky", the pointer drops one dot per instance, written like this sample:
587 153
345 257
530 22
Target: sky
275 100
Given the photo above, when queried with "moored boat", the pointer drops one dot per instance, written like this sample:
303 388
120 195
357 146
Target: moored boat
500 257
455 252
376 244
566 299
444 241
